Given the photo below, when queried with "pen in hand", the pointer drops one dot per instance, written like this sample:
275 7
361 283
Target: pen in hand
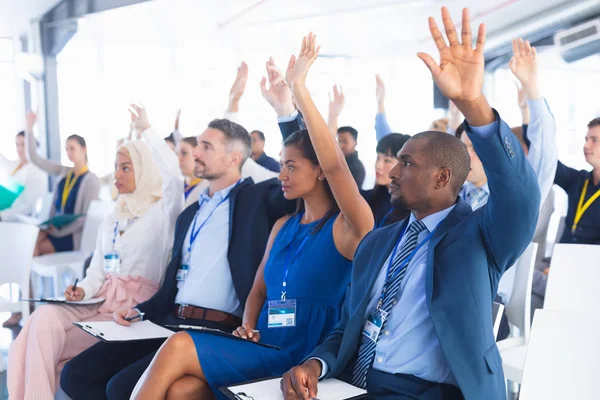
72 293
128 319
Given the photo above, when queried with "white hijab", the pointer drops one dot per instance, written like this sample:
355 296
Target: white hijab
148 182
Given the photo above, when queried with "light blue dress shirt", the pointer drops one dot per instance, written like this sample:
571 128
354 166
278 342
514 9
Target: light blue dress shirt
475 196
382 127
209 283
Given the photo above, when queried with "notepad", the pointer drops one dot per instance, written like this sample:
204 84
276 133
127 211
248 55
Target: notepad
109 331
62 300
219 332
269 389
9 192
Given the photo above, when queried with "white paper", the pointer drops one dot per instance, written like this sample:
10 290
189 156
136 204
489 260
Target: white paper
328 389
113 332
62 300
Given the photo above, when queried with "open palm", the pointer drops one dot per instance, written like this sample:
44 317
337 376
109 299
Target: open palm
460 73
523 63
298 66
278 93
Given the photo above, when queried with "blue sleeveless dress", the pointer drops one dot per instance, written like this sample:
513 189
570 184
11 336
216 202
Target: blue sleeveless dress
65 243
317 279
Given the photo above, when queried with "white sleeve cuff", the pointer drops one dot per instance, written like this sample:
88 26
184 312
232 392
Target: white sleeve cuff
289 118
324 366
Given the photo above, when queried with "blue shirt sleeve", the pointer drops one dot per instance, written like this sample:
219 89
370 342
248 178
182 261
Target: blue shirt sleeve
486 131
382 128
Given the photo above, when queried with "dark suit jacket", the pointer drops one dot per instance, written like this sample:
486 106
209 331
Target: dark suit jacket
466 257
254 208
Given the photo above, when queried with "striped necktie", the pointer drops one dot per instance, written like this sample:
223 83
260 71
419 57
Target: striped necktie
366 352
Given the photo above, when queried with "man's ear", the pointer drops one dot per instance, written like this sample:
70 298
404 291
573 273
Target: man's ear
444 178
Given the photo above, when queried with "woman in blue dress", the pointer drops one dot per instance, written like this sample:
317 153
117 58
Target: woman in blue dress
301 283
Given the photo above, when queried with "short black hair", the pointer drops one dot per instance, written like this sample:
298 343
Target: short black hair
447 151
593 123
234 134
391 144
191 140
260 134
170 138
22 133
349 130
459 131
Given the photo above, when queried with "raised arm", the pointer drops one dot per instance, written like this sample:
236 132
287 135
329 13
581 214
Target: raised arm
541 132
236 92
336 105
509 219
382 128
165 159
50 167
356 214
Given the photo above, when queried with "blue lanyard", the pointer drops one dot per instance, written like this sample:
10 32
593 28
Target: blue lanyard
385 217
195 232
115 235
406 261
288 261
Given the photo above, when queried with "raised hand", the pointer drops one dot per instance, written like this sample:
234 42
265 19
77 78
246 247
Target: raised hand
298 66
336 105
177 117
139 118
278 95
30 121
460 73
523 65
380 94
239 85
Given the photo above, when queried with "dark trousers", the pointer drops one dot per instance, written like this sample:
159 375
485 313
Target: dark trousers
111 370
383 386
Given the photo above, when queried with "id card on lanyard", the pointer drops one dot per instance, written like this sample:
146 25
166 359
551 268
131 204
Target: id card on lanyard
112 260
282 313
377 318
184 268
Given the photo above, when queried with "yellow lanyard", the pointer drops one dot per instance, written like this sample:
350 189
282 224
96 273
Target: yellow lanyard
581 208
188 188
17 169
69 184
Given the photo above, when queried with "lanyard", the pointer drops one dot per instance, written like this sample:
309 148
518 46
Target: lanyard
385 217
69 184
406 261
288 261
188 188
581 208
195 232
17 169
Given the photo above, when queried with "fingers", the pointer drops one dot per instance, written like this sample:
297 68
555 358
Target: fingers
119 318
303 47
287 387
298 384
243 69
449 27
268 65
533 53
527 48
431 64
512 64
515 47
263 86
436 35
522 51
466 29
480 39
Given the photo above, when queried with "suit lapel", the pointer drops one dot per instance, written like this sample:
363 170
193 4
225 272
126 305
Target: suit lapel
233 198
459 212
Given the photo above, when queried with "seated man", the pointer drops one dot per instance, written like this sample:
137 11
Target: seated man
219 244
258 152
417 321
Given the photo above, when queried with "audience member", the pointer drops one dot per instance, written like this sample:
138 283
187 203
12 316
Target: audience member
317 241
407 337
258 152
193 186
24 173
219 244
129 262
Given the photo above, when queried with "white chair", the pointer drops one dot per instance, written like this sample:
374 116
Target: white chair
574 278
45 205
16 253
497 310
518 312
68 264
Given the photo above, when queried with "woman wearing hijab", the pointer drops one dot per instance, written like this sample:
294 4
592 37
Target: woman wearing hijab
132 251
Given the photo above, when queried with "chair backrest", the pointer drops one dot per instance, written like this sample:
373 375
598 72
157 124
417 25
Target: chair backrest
97 212
16 253
518 309
574 279
541 231
45 205
497 311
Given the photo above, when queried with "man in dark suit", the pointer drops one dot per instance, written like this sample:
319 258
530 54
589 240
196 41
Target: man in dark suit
219 243
417 321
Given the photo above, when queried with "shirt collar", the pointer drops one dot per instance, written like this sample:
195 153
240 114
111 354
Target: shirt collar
433 220
221 194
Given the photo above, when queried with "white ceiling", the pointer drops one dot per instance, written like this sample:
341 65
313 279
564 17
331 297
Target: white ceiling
16 14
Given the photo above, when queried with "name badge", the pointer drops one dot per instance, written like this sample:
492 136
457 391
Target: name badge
373 325
282 313
112 263
182 273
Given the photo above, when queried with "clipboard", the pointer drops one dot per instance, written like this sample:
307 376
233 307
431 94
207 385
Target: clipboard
218 332
9 193
269 389
62 220
111 332
62 300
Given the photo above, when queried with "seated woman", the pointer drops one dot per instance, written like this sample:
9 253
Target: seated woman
77 187
33 180
301 283
193 186
132 252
